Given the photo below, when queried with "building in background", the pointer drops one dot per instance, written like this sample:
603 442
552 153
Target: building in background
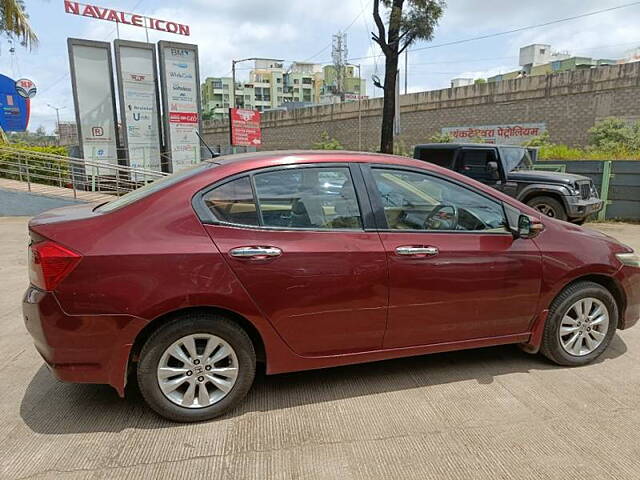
461 82
67 133
271 86
540 59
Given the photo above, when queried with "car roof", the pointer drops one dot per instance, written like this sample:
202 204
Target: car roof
254 160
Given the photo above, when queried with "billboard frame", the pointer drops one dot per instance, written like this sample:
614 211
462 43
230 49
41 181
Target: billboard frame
81 42
117 43
161 45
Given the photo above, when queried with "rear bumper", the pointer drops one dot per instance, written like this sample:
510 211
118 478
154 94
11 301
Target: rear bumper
578 208
629 280
80 348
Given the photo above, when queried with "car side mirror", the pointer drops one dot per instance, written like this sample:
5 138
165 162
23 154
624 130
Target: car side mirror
493 170
529 227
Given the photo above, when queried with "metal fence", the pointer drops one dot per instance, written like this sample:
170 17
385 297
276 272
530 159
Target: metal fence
618 182
73 173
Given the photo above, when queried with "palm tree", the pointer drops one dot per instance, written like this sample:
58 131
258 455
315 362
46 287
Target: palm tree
15 21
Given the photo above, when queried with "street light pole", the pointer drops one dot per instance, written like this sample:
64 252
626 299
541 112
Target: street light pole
233 75
57 109
359 105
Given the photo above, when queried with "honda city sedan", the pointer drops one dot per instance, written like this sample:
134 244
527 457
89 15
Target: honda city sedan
305 260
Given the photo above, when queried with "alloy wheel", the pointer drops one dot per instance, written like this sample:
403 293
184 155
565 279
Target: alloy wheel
197 370
546 209
584 326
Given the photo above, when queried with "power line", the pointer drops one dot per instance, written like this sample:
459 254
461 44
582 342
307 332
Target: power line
515 30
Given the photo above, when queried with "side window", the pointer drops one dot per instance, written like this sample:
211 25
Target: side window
321 197
233 202
416 201
473 164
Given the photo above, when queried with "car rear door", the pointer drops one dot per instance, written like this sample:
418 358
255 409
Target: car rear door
298 239
455 272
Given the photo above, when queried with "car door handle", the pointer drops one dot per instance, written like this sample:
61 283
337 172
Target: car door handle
409 250
255 252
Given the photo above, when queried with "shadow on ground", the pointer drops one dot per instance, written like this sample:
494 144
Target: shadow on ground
52 407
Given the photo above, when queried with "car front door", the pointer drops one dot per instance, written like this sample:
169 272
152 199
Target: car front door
455 272
297 240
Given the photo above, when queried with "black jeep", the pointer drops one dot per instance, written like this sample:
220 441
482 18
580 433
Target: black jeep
509 169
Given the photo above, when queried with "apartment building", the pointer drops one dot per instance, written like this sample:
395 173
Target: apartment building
272 86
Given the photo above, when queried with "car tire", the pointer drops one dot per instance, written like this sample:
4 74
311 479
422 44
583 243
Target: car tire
548 206
564 314
202 327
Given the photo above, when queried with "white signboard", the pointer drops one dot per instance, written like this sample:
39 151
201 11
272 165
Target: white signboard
93 92
507 134
139 104
181 103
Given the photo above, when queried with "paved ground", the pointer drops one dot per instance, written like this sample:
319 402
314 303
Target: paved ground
494 413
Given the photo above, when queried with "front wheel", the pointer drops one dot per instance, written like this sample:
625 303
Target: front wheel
582 321
196 367
548 206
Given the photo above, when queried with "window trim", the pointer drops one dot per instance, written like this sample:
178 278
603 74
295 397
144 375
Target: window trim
378 209
207 217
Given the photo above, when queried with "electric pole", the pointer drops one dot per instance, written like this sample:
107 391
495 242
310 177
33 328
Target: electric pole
57 109
339 55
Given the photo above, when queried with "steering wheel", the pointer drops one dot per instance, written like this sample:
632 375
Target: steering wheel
450 221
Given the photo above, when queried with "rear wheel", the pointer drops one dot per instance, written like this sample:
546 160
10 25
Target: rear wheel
548 206
582 321
196 367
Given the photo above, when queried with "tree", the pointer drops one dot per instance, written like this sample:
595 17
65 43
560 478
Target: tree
407 22
15 21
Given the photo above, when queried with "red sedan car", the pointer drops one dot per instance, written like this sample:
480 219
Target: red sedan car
305 260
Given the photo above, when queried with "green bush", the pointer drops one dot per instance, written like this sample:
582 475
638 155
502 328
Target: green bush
327 143
40 167
615 135
441 138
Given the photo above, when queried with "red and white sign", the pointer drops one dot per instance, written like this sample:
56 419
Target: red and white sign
245 127
101 13
183 117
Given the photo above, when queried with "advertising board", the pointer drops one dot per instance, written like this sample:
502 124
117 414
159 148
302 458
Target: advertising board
245 127
180 81
94 99
139 103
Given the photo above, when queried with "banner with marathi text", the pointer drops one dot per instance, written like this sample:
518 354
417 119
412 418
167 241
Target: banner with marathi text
506 134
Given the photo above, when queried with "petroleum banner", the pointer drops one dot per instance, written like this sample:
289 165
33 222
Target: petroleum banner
181 103
507 134
93 93
139 103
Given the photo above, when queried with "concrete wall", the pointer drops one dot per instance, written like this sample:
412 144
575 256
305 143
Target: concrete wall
13 203
569 103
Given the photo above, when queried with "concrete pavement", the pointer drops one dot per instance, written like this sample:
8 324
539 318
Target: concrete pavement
493 413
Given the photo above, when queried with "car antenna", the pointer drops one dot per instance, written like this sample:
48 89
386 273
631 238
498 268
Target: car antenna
213 154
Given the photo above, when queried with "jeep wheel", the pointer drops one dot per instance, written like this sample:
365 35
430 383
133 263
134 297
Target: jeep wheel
548 206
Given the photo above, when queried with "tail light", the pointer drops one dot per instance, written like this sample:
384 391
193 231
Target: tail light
49 263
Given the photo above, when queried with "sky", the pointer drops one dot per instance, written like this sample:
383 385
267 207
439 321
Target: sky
302 30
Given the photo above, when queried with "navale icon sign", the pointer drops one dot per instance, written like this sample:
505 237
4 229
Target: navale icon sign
108 14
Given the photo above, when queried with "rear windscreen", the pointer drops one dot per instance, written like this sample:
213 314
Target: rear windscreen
153 187
442 157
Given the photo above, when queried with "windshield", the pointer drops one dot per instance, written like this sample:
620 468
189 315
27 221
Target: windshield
153 187
516 158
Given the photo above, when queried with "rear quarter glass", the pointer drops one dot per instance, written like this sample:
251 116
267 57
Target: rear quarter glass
155 186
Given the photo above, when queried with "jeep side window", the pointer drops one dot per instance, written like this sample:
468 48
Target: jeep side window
473 164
